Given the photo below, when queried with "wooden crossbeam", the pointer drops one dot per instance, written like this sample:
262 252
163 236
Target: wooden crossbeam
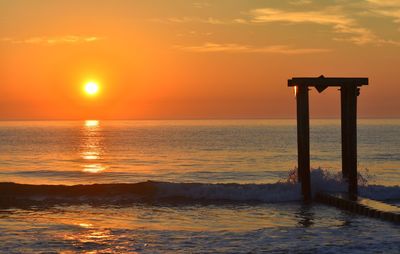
325 82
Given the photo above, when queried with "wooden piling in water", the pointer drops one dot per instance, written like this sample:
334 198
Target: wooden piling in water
349 135
349 92
303 141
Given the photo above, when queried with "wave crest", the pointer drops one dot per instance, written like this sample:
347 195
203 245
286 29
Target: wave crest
283 191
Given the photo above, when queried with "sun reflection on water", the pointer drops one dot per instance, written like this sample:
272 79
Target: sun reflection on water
93 168
90 155
90 235
92 147
85 225
91 123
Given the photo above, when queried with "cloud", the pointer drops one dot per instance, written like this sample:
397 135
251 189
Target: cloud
387 8
201 5
343 22
209 20
340 23
240 21
47 40
194 33
300 2
385 3
239 48
395 14
319 17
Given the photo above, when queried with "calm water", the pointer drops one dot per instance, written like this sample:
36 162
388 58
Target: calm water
254 214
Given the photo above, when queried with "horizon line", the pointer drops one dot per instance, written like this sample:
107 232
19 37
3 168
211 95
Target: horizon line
187 119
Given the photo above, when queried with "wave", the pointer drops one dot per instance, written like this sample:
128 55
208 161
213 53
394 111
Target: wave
284 191
150 191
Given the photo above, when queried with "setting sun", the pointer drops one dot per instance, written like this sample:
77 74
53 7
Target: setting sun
91 88
231 126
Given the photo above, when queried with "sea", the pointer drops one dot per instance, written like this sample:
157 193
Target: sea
189 186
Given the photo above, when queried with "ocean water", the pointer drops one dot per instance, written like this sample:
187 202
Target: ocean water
188 186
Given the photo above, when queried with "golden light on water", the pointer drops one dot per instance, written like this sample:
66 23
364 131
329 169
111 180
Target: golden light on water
93 168
90 155
85 225
90 234
92 147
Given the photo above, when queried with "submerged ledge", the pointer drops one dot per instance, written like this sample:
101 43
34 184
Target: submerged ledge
360 205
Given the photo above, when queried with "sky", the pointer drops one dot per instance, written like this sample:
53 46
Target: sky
184 59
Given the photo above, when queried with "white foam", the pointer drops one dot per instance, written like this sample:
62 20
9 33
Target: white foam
284 191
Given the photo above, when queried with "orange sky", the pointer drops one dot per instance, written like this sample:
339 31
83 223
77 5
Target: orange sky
183 59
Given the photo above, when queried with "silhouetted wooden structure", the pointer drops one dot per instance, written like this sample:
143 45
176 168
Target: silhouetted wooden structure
349 90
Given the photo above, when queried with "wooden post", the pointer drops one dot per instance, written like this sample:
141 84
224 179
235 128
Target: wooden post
352 118
349 136
303 141
344 124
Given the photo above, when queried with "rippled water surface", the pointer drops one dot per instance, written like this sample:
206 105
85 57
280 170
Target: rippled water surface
239 228
253 214
252 151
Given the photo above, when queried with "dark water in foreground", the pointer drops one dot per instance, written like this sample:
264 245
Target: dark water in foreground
190 186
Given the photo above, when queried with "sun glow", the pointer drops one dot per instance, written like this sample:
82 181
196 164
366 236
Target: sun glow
91 88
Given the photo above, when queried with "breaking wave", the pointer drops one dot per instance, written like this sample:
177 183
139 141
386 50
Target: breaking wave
151 191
